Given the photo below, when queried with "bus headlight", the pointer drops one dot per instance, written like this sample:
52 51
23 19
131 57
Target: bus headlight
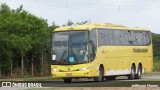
55 70
82 69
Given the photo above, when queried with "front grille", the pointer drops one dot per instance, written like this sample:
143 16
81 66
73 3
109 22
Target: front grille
68 71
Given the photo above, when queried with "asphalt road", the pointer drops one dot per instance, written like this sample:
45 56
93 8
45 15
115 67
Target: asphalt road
121 81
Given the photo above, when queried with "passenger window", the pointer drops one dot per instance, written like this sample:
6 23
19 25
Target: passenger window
123 37
100 38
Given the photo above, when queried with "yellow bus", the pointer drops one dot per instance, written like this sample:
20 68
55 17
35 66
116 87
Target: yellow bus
100 51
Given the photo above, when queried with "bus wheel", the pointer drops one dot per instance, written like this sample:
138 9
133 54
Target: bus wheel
131 76
139 72
100 76
67 80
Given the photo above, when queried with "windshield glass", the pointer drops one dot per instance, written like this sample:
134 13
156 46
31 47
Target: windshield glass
70 47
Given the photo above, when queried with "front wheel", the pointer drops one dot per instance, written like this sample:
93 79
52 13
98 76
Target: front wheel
100 76
67 80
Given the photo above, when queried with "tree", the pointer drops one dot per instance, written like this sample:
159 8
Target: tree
25 41
5 53
53 27
70 23
21 32
83 22
156 45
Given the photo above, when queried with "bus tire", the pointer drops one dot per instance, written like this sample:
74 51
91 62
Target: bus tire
131 76
67 80
139 72
100 76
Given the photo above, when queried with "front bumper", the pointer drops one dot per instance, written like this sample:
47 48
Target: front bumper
71 74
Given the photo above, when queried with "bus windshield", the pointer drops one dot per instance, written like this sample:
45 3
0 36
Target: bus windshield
70 47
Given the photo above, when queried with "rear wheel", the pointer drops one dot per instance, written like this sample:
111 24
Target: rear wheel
131 76
139 72
100 76
67 80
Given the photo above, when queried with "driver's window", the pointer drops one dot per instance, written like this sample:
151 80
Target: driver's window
93 44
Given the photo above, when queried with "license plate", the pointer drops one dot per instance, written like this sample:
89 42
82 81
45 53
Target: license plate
68 74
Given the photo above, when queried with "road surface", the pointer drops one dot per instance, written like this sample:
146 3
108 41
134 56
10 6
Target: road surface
120 81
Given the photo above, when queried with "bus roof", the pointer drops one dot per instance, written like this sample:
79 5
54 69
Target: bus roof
90 26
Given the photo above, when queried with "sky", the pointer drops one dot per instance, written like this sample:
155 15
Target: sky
132 13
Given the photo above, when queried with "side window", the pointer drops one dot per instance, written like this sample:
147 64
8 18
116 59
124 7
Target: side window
132 38
93 37
101 37
109 37
117 37
148 36
139 37
135 43
123 37
113 37
125 34
93 44
142 38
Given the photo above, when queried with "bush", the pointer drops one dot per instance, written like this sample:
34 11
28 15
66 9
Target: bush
156 64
